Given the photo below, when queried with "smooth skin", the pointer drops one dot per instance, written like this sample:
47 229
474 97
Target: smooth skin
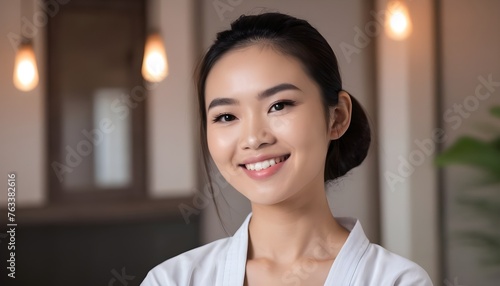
262 102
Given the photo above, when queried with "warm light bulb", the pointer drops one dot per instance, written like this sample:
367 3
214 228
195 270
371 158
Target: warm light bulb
25 68
398 23
154 64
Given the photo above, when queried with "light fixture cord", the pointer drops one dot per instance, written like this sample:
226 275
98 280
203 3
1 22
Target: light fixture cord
21 10
25 10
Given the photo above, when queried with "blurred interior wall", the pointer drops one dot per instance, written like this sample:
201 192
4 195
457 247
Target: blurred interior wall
171 113
470 45
22 114
171 109
406 112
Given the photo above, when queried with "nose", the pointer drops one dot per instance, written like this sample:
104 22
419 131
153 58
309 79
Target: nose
256 133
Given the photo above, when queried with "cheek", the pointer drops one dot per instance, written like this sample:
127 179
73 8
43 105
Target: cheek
221 143
305 130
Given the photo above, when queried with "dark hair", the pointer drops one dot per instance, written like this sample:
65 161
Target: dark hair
297 38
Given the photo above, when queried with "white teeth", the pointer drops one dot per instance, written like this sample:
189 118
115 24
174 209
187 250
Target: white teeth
264 164
258 166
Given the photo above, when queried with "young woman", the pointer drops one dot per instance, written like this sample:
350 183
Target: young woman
278 125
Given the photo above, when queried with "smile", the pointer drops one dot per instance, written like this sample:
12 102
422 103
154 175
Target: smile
266 163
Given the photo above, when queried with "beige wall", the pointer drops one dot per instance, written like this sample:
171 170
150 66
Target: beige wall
22 116
406 105
170 106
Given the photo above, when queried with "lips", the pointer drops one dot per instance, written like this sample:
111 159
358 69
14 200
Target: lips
262 169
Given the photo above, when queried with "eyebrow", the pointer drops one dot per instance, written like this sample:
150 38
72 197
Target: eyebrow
264 94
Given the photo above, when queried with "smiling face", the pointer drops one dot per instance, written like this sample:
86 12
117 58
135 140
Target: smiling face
266 128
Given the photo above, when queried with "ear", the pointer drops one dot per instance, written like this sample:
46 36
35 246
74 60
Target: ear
340 116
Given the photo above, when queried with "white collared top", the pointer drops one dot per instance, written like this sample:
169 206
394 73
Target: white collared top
223 263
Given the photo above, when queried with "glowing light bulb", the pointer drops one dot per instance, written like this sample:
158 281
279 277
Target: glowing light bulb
398 23
25 68
154 63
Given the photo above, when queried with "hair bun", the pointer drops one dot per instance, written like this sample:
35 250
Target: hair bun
351 149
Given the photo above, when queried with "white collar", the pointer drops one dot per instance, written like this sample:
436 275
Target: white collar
342 270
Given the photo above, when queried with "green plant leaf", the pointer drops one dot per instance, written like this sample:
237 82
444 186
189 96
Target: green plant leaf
471 152
486 156
495 111
487 180
496 143
488 243
485 207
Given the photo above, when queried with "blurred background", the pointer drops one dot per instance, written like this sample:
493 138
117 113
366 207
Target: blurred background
99 123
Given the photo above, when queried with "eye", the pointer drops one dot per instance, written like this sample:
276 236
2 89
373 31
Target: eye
278 106
224 118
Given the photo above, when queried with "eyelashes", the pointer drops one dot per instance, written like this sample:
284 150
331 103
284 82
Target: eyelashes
275 107
225 116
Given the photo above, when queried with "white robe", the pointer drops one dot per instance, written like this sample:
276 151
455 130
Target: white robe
223 263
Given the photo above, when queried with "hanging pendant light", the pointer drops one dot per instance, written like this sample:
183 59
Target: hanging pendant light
398 24
154 63
25 75
25 67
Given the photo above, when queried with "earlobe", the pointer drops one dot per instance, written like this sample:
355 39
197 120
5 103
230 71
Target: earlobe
340 116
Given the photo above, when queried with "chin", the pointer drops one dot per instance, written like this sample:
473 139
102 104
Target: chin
266 198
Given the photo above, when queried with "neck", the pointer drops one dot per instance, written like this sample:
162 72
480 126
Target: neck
296 229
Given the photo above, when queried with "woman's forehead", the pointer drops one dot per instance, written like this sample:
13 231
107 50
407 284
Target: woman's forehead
252 70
